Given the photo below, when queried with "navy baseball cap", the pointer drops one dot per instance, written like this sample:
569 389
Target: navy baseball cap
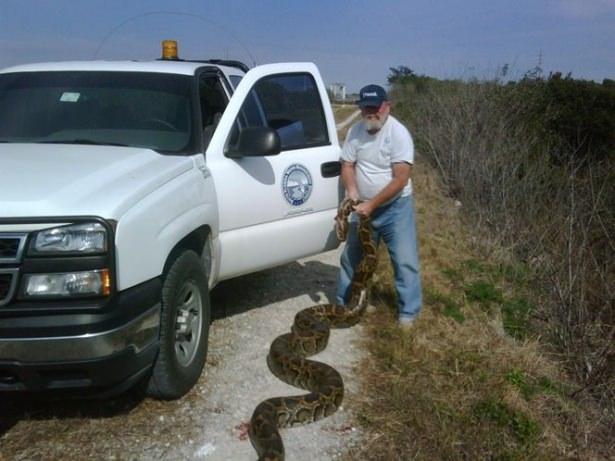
372 95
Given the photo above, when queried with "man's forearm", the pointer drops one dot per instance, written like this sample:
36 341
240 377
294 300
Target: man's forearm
349 180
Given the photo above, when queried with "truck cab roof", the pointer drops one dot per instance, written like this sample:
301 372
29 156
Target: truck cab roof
158 66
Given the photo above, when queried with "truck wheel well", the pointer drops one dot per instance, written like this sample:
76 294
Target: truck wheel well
194 241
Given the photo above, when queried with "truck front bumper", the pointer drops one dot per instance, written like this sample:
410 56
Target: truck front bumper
113 351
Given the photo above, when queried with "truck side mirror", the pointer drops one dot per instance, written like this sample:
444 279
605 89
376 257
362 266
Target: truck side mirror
255 142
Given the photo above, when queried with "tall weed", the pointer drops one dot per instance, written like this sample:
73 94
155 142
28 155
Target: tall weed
537 197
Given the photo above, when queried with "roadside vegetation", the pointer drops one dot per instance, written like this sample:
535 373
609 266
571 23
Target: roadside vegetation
513 356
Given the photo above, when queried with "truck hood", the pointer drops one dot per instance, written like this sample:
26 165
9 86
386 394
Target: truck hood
40 180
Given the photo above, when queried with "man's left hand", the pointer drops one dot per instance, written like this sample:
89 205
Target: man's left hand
365 208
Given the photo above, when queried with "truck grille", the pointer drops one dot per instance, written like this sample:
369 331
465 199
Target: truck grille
8 279
5 284
11 247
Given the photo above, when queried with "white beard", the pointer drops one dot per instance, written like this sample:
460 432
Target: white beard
374 125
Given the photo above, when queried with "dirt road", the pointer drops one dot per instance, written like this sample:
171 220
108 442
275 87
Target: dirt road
351 118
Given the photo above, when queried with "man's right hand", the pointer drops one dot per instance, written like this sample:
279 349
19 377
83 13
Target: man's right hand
365 208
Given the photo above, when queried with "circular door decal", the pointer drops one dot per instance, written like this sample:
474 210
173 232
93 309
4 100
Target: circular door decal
296 184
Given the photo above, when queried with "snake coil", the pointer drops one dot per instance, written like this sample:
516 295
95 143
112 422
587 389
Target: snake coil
287 358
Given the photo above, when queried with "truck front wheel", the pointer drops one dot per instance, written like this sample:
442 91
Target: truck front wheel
184 328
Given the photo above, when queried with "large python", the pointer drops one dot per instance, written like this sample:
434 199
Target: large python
310 335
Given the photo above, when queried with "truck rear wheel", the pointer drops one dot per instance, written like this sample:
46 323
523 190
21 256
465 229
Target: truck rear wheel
184 328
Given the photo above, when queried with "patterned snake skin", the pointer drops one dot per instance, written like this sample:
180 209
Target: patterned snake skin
309 335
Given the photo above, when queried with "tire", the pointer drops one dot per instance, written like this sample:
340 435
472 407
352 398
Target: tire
184 328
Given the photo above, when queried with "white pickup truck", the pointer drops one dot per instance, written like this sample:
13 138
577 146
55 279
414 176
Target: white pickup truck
128 190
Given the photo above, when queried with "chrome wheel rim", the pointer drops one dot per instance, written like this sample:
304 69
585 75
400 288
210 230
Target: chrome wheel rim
188 323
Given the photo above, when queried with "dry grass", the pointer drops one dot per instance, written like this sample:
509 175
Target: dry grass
459 385
341 111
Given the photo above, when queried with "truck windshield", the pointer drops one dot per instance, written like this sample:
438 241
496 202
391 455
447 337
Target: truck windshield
136 109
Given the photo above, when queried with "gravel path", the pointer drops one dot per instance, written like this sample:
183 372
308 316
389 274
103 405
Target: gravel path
249 313
351 118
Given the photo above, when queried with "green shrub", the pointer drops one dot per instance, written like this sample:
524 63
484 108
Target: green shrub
523 428
449 307
516 316
483 292
518 379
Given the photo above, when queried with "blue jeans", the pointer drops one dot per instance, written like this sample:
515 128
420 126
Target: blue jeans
394 223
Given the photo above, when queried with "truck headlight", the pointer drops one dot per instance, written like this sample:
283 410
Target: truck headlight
76 238
69 284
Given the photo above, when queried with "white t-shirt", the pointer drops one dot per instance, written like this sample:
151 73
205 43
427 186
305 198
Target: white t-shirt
373 155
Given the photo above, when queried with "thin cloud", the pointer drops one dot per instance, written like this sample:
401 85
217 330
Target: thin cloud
585 9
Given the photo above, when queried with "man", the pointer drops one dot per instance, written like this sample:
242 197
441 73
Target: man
377 159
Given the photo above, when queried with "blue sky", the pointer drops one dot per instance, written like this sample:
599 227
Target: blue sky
353 42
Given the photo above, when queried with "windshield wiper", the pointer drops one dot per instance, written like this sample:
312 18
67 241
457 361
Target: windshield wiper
89 142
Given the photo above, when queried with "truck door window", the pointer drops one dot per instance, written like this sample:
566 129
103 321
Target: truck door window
288 103
213 101
235 79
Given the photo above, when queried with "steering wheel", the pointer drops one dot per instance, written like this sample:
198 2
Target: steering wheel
161 122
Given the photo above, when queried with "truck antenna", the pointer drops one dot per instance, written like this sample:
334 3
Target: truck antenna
176 13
